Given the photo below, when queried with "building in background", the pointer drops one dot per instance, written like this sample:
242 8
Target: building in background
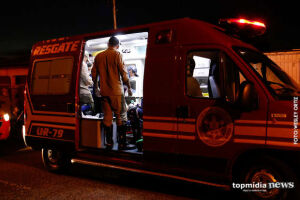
289 61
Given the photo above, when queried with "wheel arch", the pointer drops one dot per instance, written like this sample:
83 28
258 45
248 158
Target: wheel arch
291 158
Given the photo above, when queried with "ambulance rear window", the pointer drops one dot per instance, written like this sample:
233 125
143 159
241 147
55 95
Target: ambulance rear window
52 77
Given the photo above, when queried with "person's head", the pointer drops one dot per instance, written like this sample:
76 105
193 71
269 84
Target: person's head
132 71
113 42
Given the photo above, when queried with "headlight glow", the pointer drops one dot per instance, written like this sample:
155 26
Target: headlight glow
6 117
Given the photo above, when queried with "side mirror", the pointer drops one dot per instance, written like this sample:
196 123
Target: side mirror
248 98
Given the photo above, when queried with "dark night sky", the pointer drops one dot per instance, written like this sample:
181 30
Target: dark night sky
26 22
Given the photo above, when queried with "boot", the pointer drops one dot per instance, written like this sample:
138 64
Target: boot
109 137
123 145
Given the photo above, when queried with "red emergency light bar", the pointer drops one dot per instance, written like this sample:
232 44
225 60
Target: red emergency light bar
245 21
243 27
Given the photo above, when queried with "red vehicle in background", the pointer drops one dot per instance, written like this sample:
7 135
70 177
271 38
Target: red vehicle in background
12 82
4 112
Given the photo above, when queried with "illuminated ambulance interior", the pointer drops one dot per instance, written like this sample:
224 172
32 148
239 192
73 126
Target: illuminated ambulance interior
133 49
201 73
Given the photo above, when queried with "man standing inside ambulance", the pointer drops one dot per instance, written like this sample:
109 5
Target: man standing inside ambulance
110 67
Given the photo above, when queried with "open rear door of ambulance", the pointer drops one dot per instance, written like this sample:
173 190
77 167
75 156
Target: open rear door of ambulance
50 96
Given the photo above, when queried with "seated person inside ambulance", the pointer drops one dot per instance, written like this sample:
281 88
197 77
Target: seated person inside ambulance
192 85
132 73
86 99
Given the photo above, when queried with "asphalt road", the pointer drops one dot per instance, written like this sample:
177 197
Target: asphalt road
22 176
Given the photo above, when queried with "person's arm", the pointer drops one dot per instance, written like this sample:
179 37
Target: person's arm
85 75
95 74
123 73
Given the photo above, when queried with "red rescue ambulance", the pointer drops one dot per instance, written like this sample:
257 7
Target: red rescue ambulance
206 107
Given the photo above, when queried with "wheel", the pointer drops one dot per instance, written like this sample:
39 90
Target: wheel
274 180
54 160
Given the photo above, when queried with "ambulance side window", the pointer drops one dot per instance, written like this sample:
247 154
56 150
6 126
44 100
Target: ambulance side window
202 74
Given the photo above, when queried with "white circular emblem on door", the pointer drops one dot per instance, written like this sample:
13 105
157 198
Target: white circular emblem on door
214 126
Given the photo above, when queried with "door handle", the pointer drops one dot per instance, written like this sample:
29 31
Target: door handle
182 112
70 108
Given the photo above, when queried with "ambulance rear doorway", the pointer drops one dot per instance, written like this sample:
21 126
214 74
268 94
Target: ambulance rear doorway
133 49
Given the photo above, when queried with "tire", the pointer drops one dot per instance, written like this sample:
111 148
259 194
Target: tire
54 160
266 170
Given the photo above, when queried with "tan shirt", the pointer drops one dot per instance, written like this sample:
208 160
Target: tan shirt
85 80
110 66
